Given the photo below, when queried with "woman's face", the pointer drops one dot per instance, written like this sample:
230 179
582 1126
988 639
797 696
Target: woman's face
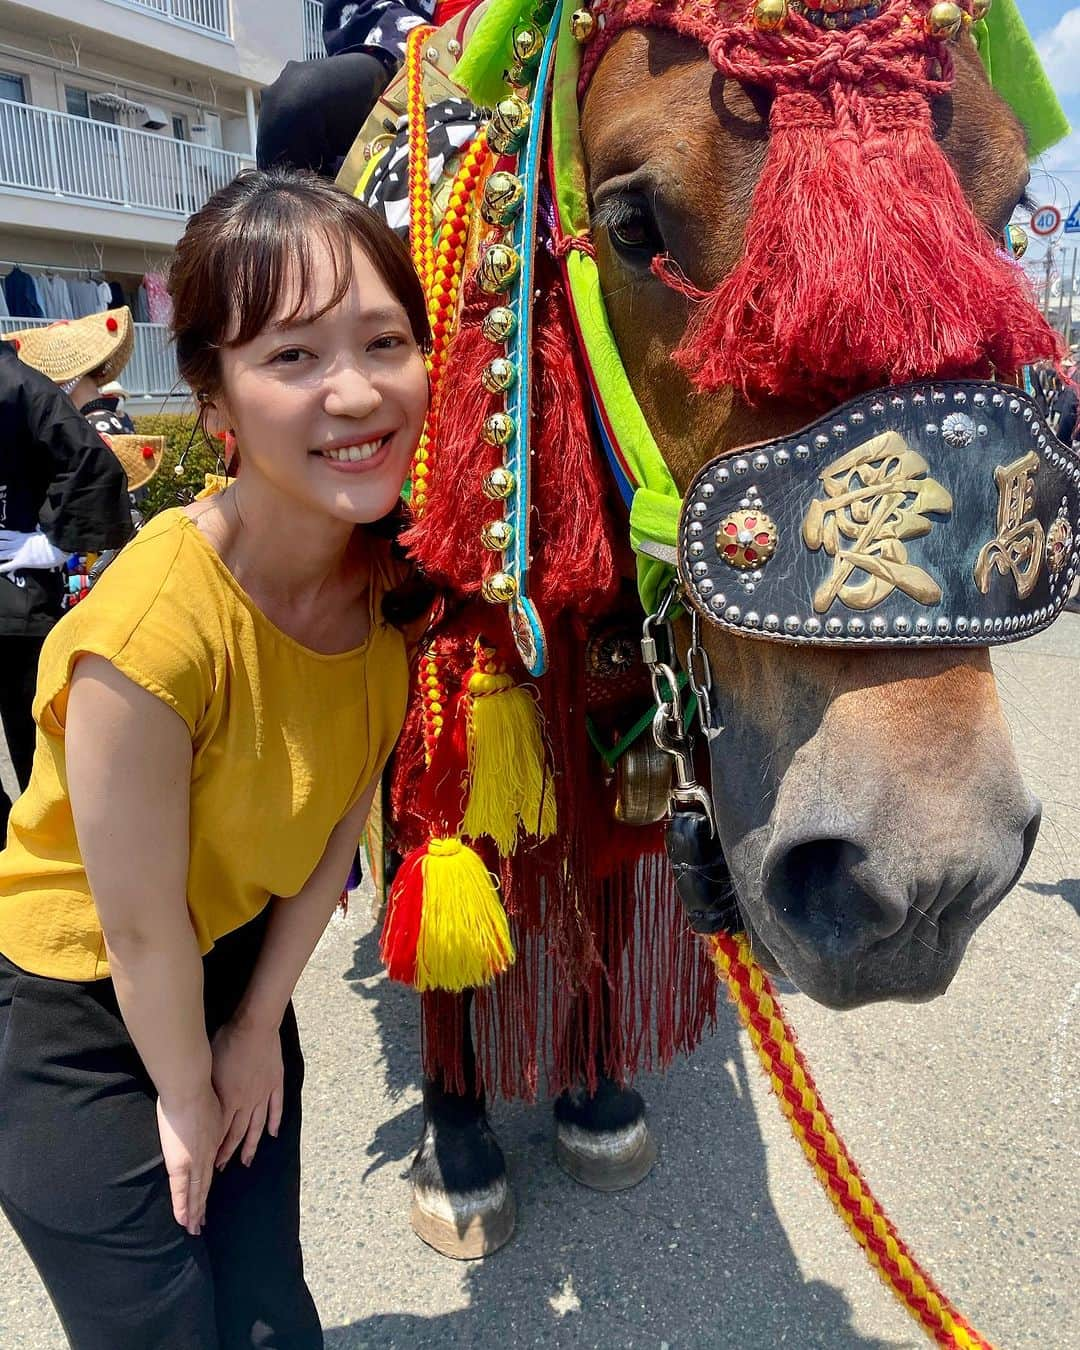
330 410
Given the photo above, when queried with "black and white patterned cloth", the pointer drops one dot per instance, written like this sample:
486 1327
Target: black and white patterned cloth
451 124
381 27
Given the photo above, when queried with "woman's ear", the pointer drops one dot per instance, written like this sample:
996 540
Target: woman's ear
215 417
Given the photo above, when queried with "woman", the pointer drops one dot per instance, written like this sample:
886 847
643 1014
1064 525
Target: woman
213 720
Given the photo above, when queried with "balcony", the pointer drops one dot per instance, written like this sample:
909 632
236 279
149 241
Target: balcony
151 373
74 158
207 16
313 43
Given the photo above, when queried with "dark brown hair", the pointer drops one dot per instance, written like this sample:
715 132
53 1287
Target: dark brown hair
242 250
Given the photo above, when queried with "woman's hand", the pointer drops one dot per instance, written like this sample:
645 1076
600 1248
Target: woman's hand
248 1077
190 1132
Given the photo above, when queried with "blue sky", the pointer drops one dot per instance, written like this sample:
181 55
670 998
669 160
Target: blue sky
1055 25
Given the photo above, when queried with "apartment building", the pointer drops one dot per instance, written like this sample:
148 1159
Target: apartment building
118 118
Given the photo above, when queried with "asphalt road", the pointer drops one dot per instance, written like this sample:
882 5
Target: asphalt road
963 1115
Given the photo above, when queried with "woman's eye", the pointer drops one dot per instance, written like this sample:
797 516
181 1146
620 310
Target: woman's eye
387 343
290 356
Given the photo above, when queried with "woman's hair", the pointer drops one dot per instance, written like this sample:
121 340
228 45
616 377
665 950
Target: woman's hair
252 243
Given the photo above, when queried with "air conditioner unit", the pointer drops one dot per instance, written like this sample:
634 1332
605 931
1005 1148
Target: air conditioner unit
155 118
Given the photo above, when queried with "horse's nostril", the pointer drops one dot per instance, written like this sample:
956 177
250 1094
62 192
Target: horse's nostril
812 892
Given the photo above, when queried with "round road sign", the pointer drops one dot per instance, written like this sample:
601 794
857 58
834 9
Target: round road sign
1045 220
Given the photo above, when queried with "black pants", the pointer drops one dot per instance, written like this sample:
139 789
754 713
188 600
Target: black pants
18 678
83 1183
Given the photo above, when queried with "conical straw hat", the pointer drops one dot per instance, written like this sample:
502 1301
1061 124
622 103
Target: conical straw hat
74 347
141 456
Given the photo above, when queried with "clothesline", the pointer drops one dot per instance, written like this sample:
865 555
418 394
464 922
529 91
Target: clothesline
78 271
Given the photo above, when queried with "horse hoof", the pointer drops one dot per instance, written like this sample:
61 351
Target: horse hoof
613 1160
464 1226
603 1141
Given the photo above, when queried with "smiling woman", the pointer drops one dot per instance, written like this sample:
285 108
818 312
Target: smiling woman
212 724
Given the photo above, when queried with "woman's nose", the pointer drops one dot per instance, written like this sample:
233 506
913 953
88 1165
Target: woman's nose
352 394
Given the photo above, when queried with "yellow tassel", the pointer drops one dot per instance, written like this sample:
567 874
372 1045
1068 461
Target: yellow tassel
508 787
464 934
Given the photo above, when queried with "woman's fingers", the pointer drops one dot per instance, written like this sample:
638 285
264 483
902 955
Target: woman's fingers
178 1191
238 1126
198 1189
273 1116
254 1133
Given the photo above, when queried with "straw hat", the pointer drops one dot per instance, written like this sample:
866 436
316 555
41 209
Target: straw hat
74 347
141 457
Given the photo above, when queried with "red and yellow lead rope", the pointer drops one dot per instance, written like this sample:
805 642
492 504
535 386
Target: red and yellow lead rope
772 1038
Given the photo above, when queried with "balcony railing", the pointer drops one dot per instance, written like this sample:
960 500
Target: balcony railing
151 372
212 16
75 157
313 43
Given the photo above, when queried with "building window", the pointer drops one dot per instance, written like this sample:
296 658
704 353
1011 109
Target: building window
179 129
12 87
80 104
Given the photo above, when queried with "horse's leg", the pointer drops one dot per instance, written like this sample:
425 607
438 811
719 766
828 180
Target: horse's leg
602 1139
462 1203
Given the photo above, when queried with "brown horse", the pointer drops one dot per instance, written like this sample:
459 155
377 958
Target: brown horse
872 814
869 805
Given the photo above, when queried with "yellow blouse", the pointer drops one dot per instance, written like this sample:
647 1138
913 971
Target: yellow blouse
284 739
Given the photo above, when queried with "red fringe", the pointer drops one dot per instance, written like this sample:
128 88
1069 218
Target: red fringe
401 926
863 264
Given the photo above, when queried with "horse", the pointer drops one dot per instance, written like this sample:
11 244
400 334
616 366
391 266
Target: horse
866 807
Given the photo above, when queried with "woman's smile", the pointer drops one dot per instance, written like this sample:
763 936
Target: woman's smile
357 456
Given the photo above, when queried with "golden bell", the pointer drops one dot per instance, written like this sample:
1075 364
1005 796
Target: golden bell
500 324
497 535
498 376
528 46
582 25
503 194
497 429
499 589
509 124
945 20
499 268
770 15
980 9
498 484
1017 240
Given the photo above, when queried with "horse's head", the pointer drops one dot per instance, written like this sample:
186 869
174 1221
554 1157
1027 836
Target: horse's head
869 802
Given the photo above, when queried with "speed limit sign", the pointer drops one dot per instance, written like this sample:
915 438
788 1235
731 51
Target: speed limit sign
1045 220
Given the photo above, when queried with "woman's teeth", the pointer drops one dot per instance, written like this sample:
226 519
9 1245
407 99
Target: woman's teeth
353 453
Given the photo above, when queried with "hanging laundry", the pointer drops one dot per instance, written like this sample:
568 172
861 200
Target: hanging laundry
21 292
158 300
104 295
117 298
55 297
142 306
85 299
3 305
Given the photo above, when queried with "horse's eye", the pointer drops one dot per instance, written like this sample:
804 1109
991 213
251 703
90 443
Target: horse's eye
632 228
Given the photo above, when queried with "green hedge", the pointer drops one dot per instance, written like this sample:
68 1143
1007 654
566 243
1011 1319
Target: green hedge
167 487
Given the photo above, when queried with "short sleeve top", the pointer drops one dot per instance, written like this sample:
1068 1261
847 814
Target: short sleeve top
284 739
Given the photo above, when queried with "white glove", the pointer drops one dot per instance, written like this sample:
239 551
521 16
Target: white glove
19 551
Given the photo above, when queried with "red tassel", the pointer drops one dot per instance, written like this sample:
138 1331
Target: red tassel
446 541
863 265
401 926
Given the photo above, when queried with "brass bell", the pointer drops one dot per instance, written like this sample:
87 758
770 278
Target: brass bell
1017 239
499 324
499 589
528 46
503 194
770 15
498 376
499 268
498 484
497 429
582 25
642 783
980 9
509 124
497 535
945 20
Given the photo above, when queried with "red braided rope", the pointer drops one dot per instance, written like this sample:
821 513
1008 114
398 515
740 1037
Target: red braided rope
774 1041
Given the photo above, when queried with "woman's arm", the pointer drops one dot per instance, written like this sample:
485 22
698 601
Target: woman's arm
247 1050
129 779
